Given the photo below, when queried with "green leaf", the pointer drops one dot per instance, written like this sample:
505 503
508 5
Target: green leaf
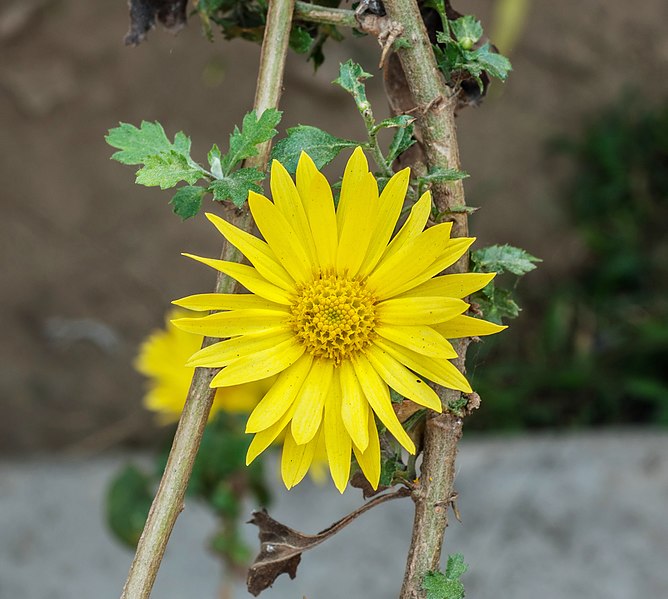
129 498
467 30
135 145
187 201
300 40
402 140
253 132
494 63
350 78
215 164
496 303
502 258
402 121
318 144
439 174
236 185
168 169
448 585
389 468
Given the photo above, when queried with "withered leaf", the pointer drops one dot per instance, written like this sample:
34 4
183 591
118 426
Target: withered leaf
144 13
281 547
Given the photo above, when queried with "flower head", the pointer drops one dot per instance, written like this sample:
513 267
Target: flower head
341 310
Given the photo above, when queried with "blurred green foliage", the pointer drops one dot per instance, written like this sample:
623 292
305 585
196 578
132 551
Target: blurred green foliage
593 349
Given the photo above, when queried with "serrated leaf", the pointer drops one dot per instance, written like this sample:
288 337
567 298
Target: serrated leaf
503 258
494 63
467 30
402 120
350 78
128 501
439 175
496 303
402 140
136 144
300 40
236 185
187 201
167 170
448 585
318 144
254 131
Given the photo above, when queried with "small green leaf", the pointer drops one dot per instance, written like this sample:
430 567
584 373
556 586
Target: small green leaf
389 468
253 132
496 303
502 258
494 63
439 175
350 78
129 498
402 140
300 40
187 201
214 157
448 585
236 185
318 144
167 170
402 121
467 30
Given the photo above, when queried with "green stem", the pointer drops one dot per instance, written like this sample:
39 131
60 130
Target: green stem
313 13
435 105
168 502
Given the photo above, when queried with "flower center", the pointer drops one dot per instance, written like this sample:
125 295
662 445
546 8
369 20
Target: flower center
334 317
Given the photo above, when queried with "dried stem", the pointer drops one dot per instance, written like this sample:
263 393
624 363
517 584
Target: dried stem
435 104
168 502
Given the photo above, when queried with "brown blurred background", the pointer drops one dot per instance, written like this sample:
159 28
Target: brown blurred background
90 261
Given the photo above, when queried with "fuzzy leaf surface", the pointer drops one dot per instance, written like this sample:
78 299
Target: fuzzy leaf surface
448 585
253 132
504 258
351 76
187 201
236 185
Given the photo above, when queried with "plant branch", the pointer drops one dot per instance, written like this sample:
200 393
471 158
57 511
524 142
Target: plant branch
168 502
313 13
435 106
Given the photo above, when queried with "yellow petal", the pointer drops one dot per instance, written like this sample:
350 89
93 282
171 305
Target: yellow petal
397 273
353 179
311 401
459 285
465 326
354 406
356 227
225 301
369 459
419 310
319 205
266 437
225 352
306 169
402 380
288 201
414 225
378 396
389 209
257 251
337 439
249 278
237 322
281 237
259 365
296 459
280 397
241 399
419 338
438 371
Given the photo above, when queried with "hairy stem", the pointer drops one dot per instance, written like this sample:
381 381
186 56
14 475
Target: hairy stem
313 13
435 104
168 502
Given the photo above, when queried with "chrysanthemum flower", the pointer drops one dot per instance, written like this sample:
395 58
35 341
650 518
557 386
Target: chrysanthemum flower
341 311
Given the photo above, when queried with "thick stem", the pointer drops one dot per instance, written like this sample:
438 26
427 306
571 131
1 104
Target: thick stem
434 103
313 13
168 502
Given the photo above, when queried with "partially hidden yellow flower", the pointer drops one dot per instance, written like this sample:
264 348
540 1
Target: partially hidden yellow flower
341 310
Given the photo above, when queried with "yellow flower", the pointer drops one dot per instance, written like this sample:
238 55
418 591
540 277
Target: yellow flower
341 311
161 359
